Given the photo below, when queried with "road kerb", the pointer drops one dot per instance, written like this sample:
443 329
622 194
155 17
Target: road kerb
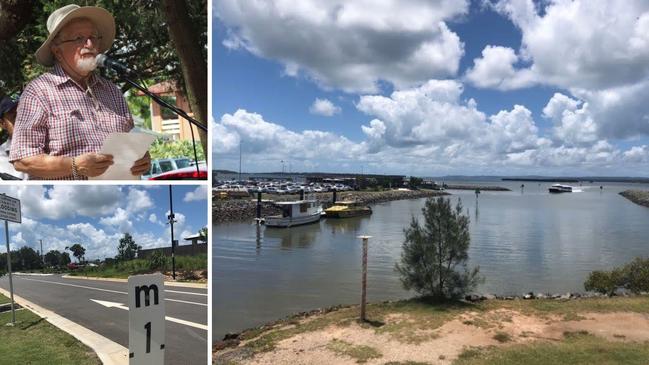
117 280
109 352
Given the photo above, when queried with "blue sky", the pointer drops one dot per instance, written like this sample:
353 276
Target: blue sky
98 216
432 87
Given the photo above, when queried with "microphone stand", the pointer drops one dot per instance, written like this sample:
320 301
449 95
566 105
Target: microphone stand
174 109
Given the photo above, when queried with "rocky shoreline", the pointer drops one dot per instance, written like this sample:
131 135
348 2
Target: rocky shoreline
640 197
237 210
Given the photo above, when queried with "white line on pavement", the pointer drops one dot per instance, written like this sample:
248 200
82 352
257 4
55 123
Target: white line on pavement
170 319
112 291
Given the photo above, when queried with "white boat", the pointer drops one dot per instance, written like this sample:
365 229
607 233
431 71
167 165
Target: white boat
558 188
295 213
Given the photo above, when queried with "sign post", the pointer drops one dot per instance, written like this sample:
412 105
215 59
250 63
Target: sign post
10 211
364 278
146 319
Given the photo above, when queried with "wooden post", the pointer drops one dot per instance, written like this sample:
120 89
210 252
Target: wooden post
364 277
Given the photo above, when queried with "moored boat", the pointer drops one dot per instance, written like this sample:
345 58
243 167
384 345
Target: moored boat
295 213
558 188
346 209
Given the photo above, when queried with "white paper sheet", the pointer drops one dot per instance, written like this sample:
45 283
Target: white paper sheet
126 148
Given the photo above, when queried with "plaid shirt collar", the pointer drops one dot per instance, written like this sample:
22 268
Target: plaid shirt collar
61 77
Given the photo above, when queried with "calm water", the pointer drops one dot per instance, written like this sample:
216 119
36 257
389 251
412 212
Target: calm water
522 240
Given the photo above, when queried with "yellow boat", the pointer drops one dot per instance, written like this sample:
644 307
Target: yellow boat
346 209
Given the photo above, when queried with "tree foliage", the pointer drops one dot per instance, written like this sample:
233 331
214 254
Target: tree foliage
78 251
127 248
142 39
55 258
633 276
172 149
434 256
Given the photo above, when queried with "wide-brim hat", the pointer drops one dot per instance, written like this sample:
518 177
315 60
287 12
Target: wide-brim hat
100 17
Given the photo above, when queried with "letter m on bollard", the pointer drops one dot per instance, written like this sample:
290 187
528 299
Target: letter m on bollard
146 290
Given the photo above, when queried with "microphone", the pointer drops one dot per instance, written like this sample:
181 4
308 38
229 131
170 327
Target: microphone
107 62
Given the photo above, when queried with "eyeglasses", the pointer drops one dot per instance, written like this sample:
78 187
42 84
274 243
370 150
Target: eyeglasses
79 41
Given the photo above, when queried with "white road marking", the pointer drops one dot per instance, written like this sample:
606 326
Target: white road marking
170 319
115 291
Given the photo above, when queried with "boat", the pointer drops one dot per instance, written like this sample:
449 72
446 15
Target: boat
295 213
346 209
558 188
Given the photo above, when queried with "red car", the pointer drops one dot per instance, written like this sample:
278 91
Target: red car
185 173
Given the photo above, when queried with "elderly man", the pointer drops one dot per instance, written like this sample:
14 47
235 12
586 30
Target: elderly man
65 115
7 121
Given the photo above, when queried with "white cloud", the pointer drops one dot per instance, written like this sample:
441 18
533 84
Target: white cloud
573 125
120 220
432 130
265 142
153 218
138 200
200 193
67 201
349 45
583 44
495 69
324 107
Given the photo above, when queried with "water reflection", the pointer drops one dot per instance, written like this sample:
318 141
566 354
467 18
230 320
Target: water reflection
294 237
345 225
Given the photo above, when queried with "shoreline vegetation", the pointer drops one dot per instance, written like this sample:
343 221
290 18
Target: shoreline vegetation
508 330
640 197
244 209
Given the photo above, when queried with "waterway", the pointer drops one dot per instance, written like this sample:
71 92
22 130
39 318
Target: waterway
523 240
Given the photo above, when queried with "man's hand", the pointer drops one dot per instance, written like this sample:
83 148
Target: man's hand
142 165
93 164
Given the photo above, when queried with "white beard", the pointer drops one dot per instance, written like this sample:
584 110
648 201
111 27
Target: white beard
87 64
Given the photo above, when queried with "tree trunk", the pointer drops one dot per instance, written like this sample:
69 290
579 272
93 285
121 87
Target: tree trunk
185 38
14 15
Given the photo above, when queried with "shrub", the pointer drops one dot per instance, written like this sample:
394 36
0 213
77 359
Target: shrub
633 276
158 260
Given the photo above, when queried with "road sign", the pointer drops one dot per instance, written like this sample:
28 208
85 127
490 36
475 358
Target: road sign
146 319
9 209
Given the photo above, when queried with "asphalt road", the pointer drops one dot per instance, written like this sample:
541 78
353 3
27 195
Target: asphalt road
71 298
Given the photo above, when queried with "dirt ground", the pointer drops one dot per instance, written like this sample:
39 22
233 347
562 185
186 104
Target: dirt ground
443 345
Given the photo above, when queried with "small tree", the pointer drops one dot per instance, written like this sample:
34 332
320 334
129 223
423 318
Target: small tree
432 254
203 234
78 251
127 248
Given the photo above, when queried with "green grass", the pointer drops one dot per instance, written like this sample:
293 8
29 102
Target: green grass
34 341
4 299
360 353
575 349
122 270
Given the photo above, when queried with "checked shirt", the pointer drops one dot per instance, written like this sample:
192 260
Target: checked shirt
58 117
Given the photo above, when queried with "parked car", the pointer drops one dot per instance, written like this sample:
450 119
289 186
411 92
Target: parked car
186 173
163 165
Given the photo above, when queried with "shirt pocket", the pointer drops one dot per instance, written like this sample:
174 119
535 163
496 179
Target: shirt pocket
66 133
110 122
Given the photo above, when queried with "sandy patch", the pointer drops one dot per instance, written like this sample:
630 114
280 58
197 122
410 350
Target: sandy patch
445 343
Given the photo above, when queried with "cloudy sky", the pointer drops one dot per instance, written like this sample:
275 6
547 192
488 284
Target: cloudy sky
432 87
98 216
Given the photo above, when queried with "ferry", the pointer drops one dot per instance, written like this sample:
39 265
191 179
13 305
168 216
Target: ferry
558 188
295 213
346 209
